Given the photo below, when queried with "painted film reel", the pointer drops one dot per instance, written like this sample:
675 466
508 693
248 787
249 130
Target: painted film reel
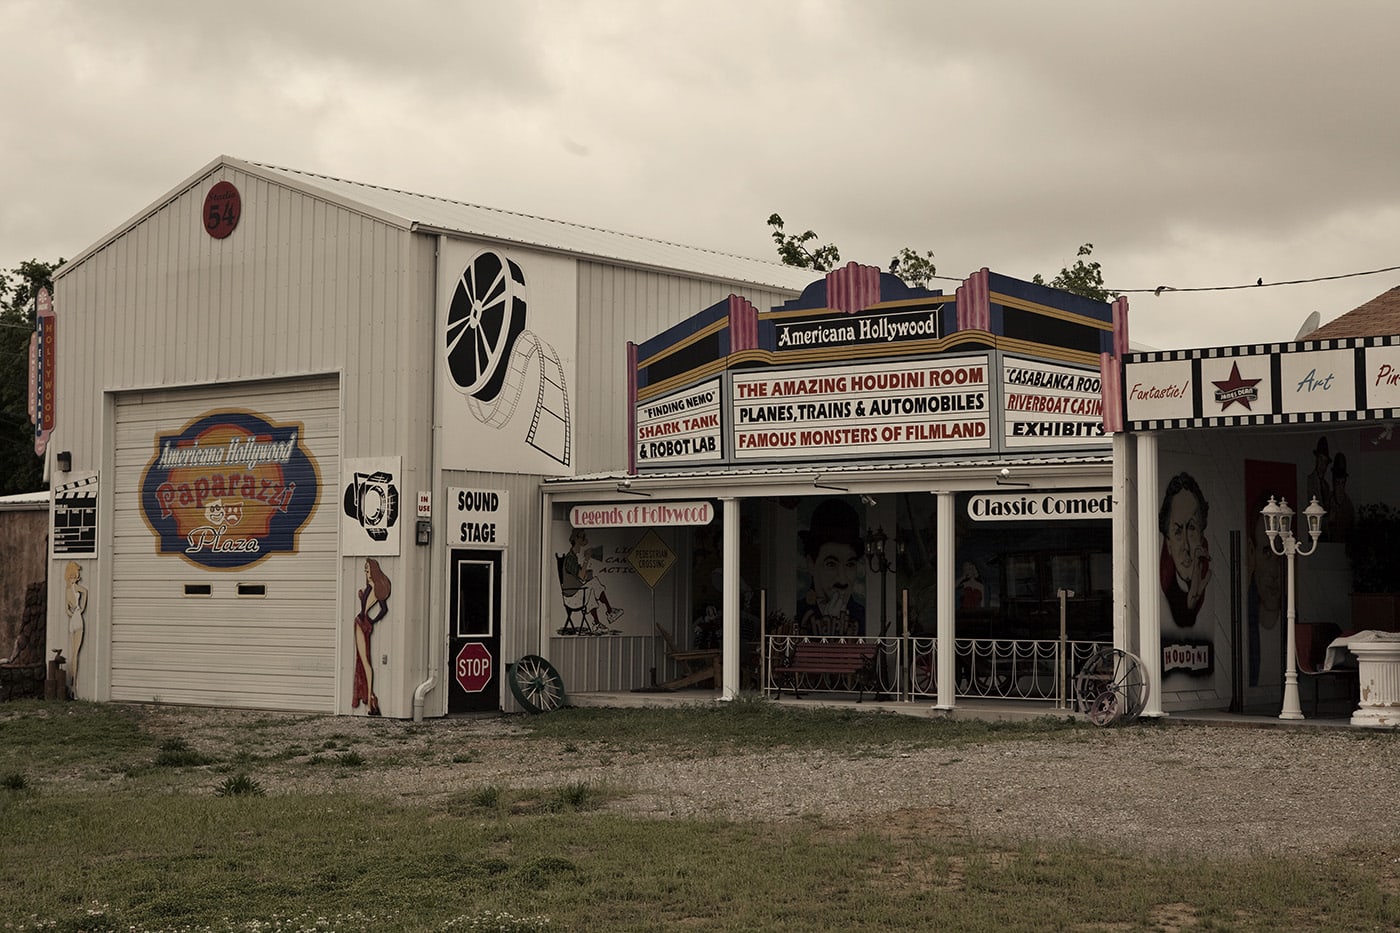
492 359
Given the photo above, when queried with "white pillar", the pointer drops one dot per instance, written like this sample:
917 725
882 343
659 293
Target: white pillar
1149 586
730 598
947 605
1125 521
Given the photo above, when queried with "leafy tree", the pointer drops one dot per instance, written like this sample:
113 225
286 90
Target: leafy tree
1082 278
911 266
793 250
20 469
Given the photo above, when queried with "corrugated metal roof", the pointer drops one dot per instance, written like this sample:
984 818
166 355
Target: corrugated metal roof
827 470
25 501
443 215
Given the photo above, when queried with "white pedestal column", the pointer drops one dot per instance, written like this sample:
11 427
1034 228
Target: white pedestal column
1379 663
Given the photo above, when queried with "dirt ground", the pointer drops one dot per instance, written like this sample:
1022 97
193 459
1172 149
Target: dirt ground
1188 787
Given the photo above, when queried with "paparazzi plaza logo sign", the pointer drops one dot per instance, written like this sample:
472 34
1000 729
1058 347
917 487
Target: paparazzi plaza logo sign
230 489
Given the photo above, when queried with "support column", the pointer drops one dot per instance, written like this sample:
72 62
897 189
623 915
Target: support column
1148 545
729 660
947 605
1125 594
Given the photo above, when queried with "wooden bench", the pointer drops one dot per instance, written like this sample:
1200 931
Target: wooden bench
701 665
851 659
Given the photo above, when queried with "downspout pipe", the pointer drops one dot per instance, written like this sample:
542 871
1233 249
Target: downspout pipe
434 645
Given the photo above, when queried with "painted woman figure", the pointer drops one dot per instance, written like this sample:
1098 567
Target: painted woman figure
374 605
76 600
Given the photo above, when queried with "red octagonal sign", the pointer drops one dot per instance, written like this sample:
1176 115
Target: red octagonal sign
473 667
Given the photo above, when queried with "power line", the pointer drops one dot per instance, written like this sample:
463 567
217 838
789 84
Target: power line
1223 288
1258 284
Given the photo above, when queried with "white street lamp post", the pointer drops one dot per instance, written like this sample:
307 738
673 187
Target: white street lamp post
1278 525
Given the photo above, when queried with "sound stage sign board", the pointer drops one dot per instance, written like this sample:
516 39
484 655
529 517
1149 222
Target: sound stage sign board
478 517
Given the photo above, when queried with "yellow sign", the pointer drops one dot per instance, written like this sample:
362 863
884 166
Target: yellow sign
651 558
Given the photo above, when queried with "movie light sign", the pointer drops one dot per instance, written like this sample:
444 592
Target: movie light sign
680 428
229 490
887 411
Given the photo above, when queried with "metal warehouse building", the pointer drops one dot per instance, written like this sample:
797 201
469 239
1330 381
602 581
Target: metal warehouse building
301 424
318 445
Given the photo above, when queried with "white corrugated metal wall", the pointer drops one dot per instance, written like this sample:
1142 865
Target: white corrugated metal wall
617 305
314 285
303 286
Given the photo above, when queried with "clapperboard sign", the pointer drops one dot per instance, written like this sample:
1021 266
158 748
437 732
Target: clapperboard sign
75 518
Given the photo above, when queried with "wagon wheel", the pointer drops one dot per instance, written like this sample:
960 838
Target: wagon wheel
925 674
536 684
485 317
1111 687
1106 710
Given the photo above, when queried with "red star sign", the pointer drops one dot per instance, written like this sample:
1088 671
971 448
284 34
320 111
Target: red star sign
1235 389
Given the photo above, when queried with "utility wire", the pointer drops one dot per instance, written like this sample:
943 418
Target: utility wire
1259 284
1223 288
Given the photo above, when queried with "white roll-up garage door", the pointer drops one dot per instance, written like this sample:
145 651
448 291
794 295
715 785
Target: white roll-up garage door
261 631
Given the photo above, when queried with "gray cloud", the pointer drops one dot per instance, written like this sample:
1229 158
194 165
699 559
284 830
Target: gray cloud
1194 143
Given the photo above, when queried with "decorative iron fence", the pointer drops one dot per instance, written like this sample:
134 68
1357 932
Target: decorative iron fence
906 668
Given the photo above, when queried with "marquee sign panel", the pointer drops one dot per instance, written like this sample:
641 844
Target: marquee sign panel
683 427
1046 405
863 366
881 410
1303 382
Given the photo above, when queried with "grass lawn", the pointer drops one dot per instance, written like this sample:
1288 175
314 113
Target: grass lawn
134 855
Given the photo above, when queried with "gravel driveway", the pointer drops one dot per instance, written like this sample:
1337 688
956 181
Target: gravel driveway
1179 786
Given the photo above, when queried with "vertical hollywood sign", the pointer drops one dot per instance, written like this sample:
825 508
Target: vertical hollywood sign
885 411
41 370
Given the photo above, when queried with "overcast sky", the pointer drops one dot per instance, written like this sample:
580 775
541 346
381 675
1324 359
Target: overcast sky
1195 144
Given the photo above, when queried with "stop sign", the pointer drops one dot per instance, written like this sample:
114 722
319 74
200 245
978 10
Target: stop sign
473 667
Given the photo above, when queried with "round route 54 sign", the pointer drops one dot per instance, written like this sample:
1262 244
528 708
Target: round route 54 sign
222 207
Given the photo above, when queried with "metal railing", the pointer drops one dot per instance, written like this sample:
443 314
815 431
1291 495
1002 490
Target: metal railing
906 667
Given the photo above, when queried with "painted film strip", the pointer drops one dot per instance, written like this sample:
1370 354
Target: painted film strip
491 356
